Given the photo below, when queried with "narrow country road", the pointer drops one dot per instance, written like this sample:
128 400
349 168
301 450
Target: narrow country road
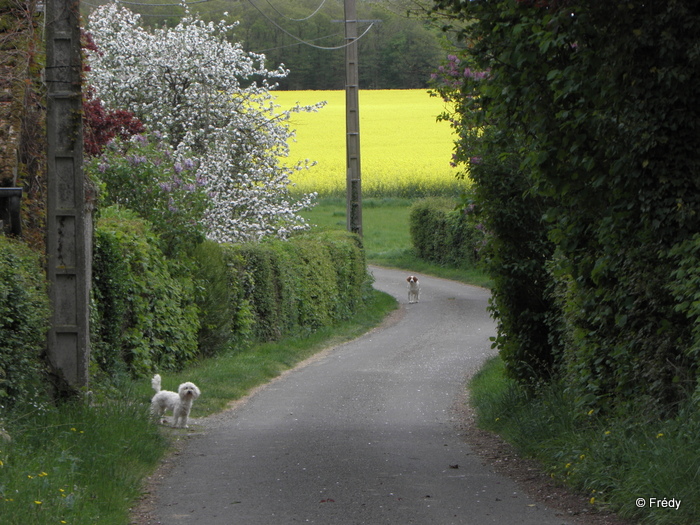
364 434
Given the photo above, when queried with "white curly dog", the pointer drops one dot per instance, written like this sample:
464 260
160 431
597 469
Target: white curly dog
179 402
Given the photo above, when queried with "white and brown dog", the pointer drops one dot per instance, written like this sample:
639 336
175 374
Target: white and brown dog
179 402
413 289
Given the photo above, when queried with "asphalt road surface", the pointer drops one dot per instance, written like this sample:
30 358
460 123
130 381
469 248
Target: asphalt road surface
363 434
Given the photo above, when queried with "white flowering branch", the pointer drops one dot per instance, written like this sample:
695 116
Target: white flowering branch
210 99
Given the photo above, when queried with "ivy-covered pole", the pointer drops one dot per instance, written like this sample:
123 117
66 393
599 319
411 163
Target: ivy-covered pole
69 224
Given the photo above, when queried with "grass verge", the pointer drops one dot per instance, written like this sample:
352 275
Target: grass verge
630 464
83 463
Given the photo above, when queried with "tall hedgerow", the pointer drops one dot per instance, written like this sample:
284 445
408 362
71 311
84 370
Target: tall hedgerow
599 100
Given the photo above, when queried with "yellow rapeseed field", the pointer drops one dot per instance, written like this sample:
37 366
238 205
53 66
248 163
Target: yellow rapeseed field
405 152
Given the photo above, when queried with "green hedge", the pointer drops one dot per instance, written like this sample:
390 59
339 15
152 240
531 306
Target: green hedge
24 317
144 315
151 313
444 235
301 284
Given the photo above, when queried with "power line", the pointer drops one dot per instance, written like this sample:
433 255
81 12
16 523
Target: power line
298 43
297 19
306 42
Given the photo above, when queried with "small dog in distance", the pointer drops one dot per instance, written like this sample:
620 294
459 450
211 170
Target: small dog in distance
413 289
179 402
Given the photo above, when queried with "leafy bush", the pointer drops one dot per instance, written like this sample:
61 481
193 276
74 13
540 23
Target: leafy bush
101 125
146 316
24 315
444 234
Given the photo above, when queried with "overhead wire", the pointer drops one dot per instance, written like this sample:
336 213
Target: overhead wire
300 41
307 42
297 19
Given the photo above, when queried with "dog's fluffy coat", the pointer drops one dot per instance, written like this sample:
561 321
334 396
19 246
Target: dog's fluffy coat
179 402
413 289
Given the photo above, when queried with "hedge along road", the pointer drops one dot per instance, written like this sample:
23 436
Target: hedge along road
364 434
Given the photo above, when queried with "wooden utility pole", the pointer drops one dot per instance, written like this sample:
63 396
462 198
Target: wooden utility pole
352 121
69 221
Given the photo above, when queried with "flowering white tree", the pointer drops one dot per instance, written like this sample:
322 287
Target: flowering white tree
210 99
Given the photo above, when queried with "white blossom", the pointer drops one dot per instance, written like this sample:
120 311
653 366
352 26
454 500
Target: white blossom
210 99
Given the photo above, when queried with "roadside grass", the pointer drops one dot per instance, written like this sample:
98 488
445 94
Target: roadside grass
616 461
77 463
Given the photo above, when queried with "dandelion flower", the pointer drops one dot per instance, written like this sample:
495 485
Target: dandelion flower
592 500
659 435
37 502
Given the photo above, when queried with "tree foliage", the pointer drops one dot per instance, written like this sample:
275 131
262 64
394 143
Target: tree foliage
211 101
398 52
596 102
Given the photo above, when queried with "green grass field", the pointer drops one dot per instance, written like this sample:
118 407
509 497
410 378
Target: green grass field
405 151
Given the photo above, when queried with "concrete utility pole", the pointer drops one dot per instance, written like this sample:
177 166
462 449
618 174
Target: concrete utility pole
69 221
352 121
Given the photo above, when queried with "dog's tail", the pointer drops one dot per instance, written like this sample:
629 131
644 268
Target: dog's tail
155 382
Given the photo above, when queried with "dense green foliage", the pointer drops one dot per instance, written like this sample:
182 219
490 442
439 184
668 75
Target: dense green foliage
152 313
398 52
597 105
145 316
443 234
144 174
24 313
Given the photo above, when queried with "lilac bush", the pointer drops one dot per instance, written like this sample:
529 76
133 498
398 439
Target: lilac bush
145 175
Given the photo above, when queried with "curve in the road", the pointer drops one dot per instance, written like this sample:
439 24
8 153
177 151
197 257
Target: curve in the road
364 435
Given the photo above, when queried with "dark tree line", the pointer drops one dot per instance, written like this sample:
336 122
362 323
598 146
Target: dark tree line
398 52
